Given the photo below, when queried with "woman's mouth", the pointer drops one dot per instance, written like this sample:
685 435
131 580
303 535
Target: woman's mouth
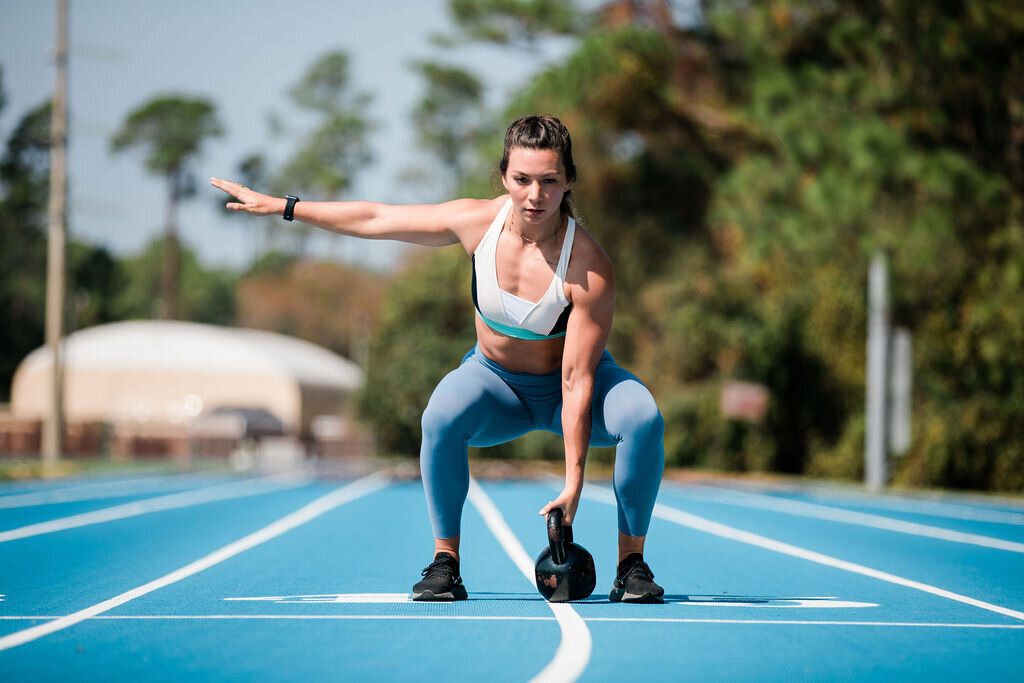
533 213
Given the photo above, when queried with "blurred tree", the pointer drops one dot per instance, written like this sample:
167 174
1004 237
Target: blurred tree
740 173
515 21
24 182
93 274
206 296
325 163
171 130
332 305
894 125
449 118
425 327
274 262
93 286
3 93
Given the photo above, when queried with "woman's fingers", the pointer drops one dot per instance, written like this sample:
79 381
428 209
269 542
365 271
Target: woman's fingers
247 200
568 510
233 189
225 185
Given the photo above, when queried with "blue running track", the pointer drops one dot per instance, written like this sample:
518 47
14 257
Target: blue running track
211 577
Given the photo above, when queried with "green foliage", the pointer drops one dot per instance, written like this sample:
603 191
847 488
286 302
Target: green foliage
740 176
449 116
512 21
24 179
207 296
94 281
275 262
325 162
425 329
852 154
25 170
170 129
326 303
324 87
93 275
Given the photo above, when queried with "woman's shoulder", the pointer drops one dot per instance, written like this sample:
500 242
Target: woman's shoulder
588 253
470 218
473 212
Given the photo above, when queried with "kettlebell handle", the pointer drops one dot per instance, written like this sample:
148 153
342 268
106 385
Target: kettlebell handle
556 537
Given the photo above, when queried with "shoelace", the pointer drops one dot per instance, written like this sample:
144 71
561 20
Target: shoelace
439 567
639 570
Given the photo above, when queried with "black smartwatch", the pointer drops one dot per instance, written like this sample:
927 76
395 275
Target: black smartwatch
289 207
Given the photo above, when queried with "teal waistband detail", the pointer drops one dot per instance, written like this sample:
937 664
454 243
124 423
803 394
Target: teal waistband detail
517 332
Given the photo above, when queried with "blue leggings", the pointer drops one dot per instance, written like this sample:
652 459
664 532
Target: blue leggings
482 404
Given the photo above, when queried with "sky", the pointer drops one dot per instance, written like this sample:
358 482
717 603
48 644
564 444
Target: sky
244 57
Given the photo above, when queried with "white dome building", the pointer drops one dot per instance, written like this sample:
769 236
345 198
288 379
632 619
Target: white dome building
170 373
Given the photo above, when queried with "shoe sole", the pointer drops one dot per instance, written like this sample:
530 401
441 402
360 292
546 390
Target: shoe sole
620 595
456 593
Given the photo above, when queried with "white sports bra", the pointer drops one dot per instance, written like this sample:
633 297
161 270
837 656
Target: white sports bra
512 315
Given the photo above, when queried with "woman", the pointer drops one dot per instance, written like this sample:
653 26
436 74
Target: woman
544 293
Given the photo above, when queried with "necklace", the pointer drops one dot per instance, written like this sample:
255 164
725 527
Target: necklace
512 228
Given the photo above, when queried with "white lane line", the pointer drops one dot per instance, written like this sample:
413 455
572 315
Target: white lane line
573 652
456 617
109 489
340 496
359 598
974 508
815 511
930 508
237 489
670 514
755 602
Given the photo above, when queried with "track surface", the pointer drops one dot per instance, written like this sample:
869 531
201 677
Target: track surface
215 577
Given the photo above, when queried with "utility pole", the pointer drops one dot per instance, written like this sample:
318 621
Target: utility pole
53 426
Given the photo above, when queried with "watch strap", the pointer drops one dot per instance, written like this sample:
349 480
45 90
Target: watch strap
289 207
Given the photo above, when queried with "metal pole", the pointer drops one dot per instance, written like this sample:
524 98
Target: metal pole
901 377
53 429
875 474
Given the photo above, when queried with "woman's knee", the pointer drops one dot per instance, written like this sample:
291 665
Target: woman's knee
441 418
648 418
636 415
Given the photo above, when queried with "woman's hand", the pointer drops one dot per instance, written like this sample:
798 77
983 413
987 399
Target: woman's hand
249 201
568 500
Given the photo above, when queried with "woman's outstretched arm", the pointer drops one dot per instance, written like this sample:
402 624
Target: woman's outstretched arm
432 225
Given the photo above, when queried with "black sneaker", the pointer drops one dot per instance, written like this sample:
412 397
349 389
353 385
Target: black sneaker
441 581
634 582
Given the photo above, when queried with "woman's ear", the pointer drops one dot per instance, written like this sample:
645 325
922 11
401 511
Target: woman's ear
504 183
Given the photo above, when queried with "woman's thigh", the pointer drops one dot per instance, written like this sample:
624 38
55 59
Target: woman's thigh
621 402
478 405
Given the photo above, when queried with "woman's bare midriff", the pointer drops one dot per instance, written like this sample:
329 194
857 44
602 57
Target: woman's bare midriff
538 357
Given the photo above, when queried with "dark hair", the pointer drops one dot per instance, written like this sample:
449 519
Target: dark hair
543 132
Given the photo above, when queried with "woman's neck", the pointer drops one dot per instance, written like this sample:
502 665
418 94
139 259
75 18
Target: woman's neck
537 234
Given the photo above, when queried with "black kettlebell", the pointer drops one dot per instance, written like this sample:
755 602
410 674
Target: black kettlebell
565 570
